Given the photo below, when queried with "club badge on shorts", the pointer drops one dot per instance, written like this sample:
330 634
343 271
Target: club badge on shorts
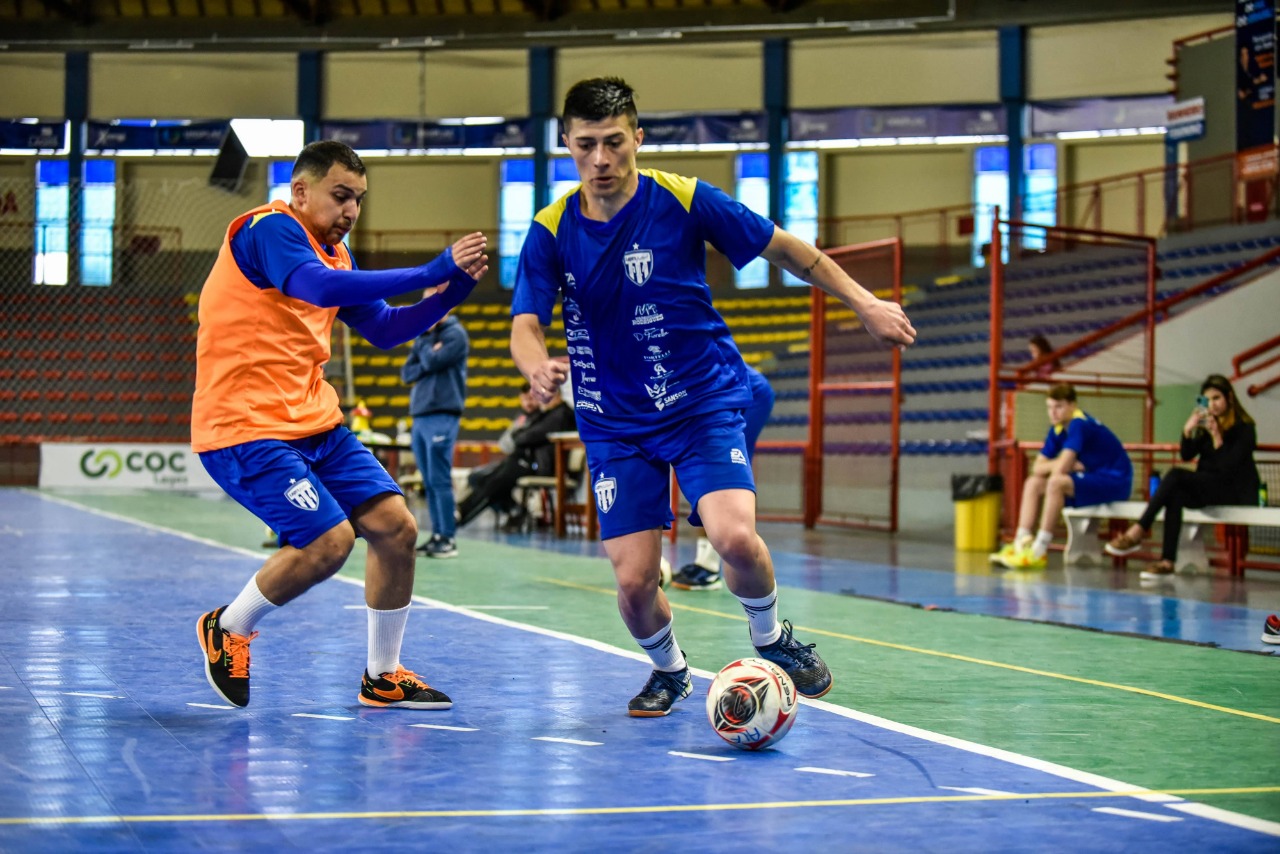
606 490
303 495
638 264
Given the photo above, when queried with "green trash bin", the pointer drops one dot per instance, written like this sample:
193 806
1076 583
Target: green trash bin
977 499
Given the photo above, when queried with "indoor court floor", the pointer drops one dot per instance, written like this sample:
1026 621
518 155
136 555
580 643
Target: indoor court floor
973 709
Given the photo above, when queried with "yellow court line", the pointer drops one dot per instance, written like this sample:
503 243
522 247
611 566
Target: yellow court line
1173 698
657 808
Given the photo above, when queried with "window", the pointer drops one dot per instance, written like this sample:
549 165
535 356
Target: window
280 178
515 208
991 188
53 206
752 189
98 228
52 199
515 213
800 204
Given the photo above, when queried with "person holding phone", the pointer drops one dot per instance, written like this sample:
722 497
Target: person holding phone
1221 436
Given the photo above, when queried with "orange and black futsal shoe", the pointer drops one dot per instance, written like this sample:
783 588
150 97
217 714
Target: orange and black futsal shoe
403 689
226 658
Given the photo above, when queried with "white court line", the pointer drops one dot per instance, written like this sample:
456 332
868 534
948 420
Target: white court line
210 706
834 772
1148 816
1097 781
566 740
6 687
450 728
684 755
975 790
322 717
90 694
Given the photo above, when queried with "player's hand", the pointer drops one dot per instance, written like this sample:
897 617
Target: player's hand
547 379
888 323
468 250
478 268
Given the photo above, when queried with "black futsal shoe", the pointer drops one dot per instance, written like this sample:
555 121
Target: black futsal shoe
226 658
805 667
660 693
403 689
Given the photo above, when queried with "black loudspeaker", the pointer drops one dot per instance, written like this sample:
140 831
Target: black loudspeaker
228 168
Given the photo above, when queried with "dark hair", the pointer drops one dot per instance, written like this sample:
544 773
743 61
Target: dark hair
600 98
1222 384
318 158
1063 391
525 388
1042 343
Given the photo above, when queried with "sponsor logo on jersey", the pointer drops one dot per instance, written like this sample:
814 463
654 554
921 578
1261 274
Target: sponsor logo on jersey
656 354
606 490
303 495
586 392
736 456
638 264
668 400
588 405
578 335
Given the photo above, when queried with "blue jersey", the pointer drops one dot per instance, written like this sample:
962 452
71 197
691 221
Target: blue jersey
1096 447
646 346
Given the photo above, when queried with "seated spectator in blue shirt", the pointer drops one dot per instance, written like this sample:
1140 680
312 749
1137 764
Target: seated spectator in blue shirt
1081 463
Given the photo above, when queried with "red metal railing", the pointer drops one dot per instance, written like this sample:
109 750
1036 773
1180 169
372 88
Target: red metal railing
820 387
1239 371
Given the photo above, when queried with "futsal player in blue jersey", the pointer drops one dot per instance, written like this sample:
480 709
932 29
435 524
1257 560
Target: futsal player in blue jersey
657 380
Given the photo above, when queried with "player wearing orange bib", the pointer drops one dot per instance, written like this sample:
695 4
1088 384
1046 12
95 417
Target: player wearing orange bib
268 426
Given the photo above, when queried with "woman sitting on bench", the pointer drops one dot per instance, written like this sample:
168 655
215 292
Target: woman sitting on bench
1223 436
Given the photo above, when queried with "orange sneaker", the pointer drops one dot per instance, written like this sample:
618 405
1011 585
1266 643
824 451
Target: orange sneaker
403 689
226 658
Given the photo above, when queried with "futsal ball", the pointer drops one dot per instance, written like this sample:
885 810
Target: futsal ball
664 573
752 703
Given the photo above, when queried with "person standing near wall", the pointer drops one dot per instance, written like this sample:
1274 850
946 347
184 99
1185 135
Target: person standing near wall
437 369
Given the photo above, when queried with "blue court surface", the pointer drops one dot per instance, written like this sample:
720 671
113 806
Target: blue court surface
111 739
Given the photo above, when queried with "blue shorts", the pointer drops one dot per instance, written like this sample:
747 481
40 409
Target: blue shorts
757 414
1100 487
631 481
302 487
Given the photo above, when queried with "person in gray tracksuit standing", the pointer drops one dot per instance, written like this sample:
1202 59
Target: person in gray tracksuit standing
437 370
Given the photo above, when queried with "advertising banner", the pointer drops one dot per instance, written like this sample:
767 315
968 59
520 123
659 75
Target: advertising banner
1184 121
109 465
1255 73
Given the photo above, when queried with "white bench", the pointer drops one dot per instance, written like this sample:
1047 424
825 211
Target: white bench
1082 530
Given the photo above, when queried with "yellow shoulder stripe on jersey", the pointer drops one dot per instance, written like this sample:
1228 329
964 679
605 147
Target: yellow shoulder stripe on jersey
677 185
259 216
550 215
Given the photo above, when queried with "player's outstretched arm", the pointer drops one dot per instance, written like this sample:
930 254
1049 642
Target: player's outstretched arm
885 320
529 350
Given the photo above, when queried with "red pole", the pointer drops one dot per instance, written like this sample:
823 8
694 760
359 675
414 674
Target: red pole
817 371
997 354
895 416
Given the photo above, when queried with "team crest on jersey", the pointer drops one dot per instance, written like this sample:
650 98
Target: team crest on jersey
303 495
638 264
606 490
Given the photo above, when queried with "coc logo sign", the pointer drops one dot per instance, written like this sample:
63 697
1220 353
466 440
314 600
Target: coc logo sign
109 464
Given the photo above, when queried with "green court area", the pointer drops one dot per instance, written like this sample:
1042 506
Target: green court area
1159 715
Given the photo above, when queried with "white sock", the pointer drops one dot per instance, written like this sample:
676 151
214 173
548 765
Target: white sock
246 610
663 650
386 631
762 616
1022 537
1040 547
706 556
